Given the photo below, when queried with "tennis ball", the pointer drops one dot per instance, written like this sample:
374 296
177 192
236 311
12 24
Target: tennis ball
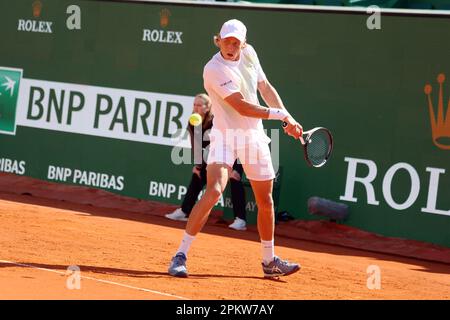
195 119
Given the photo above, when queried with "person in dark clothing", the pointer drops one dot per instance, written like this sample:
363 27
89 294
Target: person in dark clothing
202 106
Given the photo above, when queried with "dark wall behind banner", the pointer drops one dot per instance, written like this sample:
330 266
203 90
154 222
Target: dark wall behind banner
366 86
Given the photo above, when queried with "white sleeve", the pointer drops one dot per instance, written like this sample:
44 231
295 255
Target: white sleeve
261 74
221 81
253 56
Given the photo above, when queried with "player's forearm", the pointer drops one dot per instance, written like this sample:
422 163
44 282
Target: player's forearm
245 108
271 96
252 110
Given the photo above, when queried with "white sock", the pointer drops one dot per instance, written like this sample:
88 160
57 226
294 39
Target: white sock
186 243
267 251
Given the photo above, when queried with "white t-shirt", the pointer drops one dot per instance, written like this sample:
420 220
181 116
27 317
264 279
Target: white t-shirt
224 77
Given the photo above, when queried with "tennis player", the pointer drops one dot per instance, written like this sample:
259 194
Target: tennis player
232 78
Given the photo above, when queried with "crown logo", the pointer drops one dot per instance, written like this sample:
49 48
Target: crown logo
164 17
440 126
37 7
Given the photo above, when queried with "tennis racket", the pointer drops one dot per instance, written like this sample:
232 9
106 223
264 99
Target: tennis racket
317 144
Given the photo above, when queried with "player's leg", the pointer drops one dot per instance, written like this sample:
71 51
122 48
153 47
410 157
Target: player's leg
266 218
272 265
263 196
220 159
259 170
257 164
217 177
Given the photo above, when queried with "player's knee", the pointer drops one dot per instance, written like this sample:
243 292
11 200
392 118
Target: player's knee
213 193
265 202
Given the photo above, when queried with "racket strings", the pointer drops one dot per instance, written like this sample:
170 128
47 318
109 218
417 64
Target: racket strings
318 147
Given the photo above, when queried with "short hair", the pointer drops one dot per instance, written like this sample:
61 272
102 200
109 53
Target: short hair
216 39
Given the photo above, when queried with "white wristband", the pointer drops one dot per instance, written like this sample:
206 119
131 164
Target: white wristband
277 114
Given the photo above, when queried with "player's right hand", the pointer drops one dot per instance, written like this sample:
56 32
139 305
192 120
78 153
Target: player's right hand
293 128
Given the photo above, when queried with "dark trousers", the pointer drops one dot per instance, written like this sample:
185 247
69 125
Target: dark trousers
194 189
196 185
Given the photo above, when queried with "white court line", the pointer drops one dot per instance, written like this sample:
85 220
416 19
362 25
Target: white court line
98 280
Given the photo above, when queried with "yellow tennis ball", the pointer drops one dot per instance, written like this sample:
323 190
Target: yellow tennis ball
195 119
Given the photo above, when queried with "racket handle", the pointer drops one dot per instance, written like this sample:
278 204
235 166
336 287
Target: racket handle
301 136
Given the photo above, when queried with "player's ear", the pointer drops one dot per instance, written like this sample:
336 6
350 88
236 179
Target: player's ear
216 40
244 44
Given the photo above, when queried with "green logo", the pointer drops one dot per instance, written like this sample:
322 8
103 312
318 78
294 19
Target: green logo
9 93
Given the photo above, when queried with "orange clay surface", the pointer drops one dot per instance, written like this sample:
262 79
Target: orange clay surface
124 255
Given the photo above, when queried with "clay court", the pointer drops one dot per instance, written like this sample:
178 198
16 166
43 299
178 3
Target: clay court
124 255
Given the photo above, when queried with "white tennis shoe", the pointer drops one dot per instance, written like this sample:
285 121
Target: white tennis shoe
177 215
238 224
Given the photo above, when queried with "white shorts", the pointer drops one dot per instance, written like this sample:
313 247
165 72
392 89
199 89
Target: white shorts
255 159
